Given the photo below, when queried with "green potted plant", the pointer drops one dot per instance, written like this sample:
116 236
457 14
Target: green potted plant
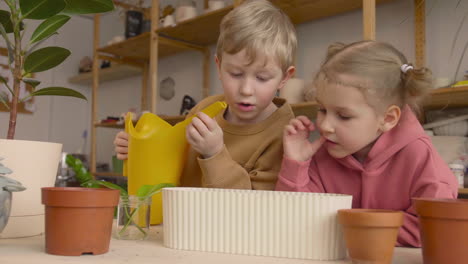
26 57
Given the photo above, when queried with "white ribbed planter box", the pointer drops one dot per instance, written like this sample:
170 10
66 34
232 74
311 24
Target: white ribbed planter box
265 223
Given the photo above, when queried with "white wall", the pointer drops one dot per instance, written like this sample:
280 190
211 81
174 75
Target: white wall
64 119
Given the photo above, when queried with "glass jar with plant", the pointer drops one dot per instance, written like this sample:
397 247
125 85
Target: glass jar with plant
133 212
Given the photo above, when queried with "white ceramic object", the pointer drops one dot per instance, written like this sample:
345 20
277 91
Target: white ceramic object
185 12
457 126
293 91
216 4
168 21
264 223
35 165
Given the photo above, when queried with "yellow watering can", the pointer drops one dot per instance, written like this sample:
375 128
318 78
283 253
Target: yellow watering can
157 153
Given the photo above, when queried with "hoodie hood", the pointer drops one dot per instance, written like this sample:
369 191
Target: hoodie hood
388 144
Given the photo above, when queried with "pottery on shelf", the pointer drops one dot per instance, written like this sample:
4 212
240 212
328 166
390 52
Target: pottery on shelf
444 229
370 234
78 220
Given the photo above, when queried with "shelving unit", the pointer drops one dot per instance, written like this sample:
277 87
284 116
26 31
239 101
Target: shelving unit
448 97
197 34
116 72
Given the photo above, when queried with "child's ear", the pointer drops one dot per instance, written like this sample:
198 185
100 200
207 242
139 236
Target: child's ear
218 66
390 118
289 73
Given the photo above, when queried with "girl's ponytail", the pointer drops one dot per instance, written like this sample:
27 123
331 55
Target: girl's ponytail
416 84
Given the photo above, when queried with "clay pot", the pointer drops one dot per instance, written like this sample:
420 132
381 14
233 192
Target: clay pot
78 220
444 229
370 234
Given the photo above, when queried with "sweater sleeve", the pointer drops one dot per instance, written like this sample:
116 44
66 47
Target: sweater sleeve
297 176
434 180
221 171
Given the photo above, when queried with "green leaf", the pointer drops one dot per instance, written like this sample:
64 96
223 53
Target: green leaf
88 6
150 190
2 79
41 9
5 20
58 91
49 27
45 59
32 82
110 185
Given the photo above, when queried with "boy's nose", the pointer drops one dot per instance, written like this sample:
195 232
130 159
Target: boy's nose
246 88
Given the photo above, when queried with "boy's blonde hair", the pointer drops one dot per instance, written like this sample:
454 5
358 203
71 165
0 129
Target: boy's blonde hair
375 68
261 29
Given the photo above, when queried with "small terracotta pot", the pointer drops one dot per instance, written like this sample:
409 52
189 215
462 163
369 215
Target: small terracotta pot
78 220
444 229
370 234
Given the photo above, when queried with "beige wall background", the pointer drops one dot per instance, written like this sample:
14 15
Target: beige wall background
64 120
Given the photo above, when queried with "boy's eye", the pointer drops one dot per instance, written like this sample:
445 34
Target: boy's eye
235 74
262 78
322 110
344 117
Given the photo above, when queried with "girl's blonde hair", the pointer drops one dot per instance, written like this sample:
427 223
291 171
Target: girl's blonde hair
376 69
261 29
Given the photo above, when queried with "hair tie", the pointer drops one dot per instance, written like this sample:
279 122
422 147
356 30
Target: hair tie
405 67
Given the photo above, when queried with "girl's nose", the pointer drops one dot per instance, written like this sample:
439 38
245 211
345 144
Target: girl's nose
325 126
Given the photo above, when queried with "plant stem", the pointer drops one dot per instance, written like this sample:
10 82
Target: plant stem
16 73
130 220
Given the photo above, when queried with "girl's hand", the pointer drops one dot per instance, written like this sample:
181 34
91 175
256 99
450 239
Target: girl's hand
121 145
296 139
205 135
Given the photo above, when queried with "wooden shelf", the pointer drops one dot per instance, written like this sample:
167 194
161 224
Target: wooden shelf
169 119
448 97
301 11
201 30
308 109
115 72
137 48
463 191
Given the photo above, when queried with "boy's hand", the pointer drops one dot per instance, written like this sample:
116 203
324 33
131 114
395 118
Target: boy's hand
205 135
121 145
296 139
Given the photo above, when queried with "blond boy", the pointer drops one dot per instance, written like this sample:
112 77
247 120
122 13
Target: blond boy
241 148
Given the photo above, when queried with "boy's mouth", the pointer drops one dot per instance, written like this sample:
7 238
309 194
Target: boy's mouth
245 106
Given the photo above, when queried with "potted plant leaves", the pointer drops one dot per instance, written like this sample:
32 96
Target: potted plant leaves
25 58
133 213
7 186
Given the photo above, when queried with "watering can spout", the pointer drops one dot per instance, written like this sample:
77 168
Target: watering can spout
157 152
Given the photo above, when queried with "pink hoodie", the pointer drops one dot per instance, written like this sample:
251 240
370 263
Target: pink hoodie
402 164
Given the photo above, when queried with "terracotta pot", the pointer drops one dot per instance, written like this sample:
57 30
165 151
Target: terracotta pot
444 229
78 220
370 234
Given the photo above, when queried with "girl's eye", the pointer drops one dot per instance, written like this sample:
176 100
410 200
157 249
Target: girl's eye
322 110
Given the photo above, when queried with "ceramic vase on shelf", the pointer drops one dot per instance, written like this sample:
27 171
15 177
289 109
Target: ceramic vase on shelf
133 23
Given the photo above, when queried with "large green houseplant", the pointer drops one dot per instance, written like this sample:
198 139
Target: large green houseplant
34 163
24 55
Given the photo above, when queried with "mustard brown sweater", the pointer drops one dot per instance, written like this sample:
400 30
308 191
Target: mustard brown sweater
251 156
